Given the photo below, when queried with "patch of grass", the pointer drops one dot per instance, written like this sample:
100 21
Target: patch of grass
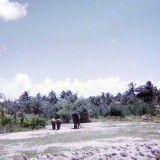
8 142
54 150
149 133
75 137
29 154
14 141
86 148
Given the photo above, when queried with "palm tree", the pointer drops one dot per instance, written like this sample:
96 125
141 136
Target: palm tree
36 106
130 95
52 97
25 96
106 98
68 95
147 92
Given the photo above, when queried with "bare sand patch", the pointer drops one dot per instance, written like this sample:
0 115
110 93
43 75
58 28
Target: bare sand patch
113 137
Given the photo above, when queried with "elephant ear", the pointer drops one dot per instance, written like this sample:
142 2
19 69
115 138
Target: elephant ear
60 120
53 119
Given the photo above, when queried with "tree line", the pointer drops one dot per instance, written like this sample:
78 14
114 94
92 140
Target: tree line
33 111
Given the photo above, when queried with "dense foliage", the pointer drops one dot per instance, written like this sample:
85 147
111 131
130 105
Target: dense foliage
33 112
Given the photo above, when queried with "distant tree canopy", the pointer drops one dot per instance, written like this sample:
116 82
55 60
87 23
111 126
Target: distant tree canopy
147 92
135 101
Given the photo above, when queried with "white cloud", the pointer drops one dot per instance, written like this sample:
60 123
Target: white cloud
15 87
157 84
12 10
12 89
88 88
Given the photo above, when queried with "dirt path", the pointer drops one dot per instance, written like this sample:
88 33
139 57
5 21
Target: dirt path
110 139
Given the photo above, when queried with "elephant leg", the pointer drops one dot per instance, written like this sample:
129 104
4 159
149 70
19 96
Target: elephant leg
53 125
58 126
58 123
75 126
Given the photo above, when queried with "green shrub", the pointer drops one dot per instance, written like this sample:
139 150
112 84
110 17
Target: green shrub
6 122
116 110
63 110
119 110
32 121
65 115
101 110
94 111
105 110
141 108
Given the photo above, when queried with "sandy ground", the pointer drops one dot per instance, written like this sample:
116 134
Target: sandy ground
100 140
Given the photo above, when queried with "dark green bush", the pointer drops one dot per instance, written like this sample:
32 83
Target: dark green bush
119 110
6 124
32 121
84 114
6 121
141 108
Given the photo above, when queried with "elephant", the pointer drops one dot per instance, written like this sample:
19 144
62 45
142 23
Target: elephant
76 119
56 123
53 123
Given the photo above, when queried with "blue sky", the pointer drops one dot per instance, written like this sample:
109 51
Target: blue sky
87 40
